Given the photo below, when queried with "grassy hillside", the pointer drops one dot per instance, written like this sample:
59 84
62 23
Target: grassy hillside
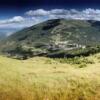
52 36
42 78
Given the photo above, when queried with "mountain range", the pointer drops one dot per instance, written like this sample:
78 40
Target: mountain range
54 38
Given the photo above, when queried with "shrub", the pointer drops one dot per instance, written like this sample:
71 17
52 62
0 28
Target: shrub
76 60
82 65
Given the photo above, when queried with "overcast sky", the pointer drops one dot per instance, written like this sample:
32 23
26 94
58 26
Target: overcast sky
18 14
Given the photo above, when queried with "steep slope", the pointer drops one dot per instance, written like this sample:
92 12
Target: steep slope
53 36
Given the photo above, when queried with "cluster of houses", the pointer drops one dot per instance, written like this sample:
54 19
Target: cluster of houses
65 45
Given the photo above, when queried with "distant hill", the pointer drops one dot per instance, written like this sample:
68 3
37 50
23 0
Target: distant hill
54 37
2 36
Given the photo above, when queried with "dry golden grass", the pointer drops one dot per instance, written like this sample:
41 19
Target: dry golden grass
48 79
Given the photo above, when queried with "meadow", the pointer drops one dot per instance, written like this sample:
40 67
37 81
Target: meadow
43 78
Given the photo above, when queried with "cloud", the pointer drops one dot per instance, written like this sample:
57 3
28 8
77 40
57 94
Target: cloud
87 14
42 12
33 17
90 11
16 19
9 33
38 12
18 22
9 26
36 16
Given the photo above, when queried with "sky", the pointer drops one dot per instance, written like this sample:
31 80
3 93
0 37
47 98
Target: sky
18 14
